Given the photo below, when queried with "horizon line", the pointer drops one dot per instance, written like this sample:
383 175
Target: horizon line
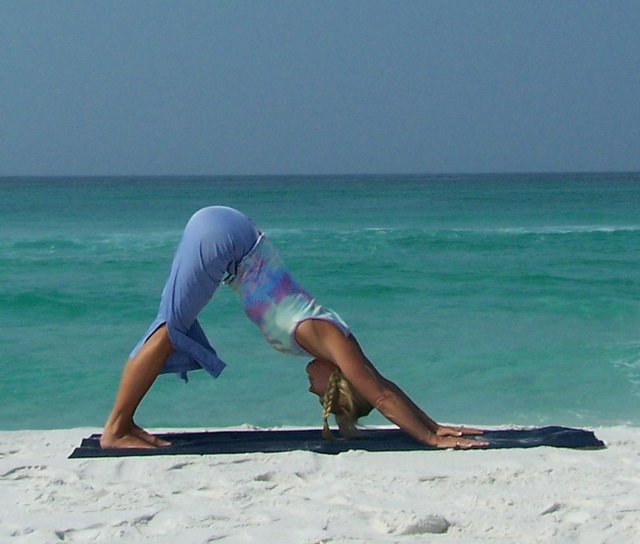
327 175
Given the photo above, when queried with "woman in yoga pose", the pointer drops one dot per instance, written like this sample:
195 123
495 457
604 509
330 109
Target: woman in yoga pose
220 244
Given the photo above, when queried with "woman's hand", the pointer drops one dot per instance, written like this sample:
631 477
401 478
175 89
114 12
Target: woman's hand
444 442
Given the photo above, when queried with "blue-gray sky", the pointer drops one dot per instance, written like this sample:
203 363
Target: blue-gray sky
295 87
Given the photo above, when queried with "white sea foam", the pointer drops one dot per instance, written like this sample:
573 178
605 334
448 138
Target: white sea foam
567 229
434 230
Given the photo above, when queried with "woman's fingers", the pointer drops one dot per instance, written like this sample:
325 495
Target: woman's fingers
470 430
460 443
457 431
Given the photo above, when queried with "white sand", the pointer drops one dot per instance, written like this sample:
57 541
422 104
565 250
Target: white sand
533 495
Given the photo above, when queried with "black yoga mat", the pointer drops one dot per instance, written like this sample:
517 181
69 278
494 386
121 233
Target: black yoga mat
252 441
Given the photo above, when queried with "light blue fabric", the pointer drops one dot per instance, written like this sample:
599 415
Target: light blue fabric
214 242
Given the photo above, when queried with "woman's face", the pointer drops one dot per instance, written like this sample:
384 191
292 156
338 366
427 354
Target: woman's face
319 372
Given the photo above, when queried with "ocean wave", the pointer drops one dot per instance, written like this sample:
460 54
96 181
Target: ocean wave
564 229
298 242
512 231
434 230
629 360
46 240
44 302
46 246
74 301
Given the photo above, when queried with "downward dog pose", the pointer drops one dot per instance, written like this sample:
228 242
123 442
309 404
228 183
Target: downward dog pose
219 245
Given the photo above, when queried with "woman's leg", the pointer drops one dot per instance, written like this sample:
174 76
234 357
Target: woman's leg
213 239
137 377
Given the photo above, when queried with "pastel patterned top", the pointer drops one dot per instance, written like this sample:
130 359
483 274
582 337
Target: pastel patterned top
274 301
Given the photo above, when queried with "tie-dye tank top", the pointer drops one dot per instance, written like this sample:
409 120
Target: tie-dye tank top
274 301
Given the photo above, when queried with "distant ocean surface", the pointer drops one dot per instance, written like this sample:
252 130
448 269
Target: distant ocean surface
491 299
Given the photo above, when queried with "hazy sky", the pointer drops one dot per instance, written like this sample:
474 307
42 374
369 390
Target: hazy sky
306 87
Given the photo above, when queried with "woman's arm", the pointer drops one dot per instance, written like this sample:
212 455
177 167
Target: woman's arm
323 340
440 430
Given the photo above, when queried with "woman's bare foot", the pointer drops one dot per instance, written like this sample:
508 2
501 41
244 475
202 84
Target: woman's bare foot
127 440
134 437
155 441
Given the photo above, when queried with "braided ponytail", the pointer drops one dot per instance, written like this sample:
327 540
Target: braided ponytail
327 403
342 400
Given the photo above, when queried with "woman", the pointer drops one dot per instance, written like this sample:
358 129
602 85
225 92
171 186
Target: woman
220 244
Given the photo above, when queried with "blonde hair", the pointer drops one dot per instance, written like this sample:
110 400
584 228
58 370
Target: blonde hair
345 403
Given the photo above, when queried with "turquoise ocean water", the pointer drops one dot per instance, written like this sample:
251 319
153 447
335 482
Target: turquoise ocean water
490 299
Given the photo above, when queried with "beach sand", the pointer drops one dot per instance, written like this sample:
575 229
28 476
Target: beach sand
526 495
